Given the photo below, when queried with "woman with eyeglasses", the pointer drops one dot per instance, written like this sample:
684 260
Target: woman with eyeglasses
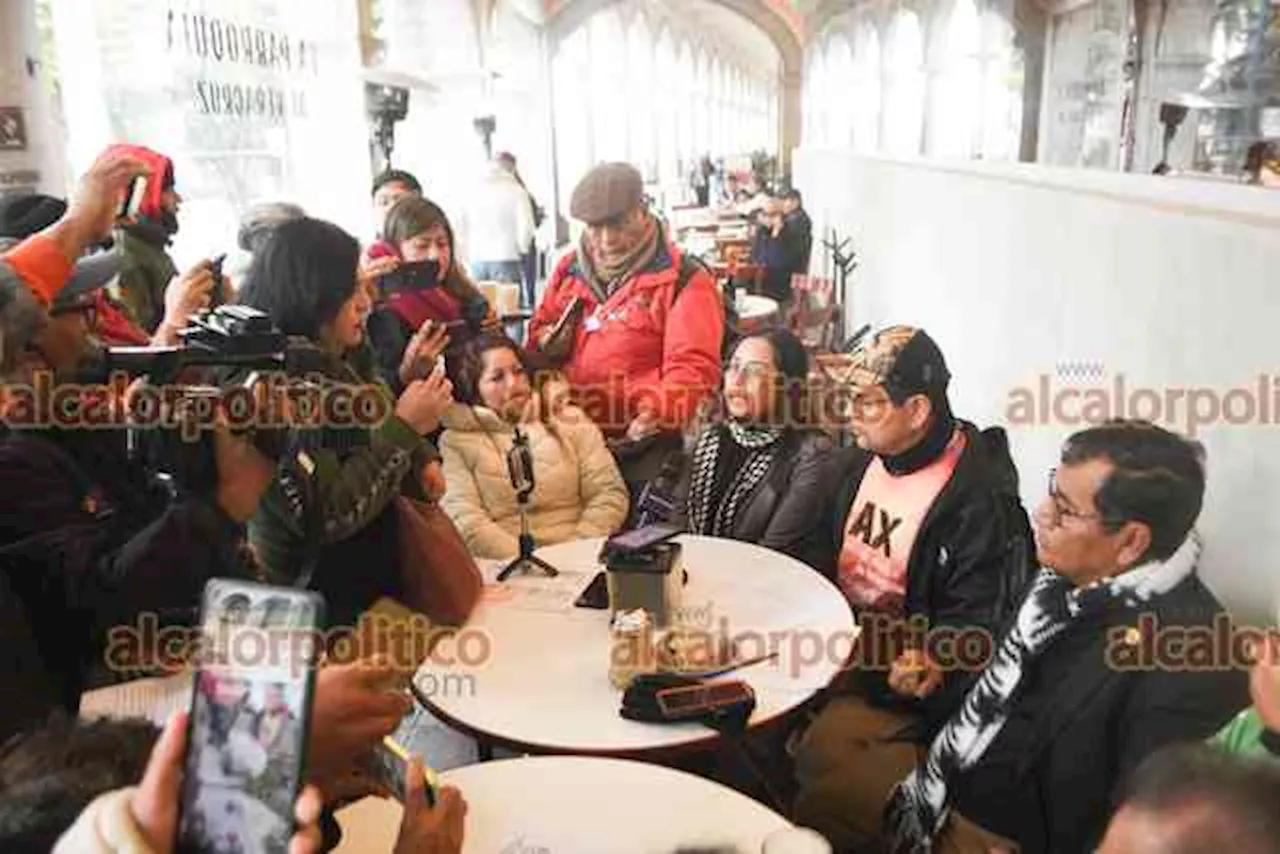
578 490
424 300
756 473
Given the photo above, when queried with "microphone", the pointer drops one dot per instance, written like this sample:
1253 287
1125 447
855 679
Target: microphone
520 466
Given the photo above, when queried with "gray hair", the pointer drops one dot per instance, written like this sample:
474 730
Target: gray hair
260 222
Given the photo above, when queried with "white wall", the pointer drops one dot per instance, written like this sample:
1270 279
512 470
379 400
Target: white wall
1022 272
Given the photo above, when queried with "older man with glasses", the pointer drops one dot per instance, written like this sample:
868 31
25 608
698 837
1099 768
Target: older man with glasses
1066 707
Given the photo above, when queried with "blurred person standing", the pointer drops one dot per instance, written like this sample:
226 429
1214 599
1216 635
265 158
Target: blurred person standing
529 260
499 226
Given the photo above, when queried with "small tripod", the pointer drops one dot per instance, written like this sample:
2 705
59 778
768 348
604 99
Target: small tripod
520 467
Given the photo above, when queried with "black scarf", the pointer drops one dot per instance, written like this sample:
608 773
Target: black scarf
714 515
926 450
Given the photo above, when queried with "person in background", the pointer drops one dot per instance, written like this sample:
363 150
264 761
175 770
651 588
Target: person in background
779 250
1063 708
758 474
579 492
425 301
1190 799
256 227
797 219
1255 732
642 351
330 504
148 269
529 258
388 188
498 225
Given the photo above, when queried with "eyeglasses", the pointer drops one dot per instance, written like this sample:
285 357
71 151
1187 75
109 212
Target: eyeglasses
870 408
1060 510
749 370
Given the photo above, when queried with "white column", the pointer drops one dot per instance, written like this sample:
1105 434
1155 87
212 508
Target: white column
31 147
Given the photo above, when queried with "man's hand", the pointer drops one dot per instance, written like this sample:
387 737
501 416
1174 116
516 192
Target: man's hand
914 674
1264 684
423 349
430 830
355 706
433 483
155 804
184 297
243 472
92 212
423 402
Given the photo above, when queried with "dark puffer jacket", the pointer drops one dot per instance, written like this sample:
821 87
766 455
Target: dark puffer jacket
970 562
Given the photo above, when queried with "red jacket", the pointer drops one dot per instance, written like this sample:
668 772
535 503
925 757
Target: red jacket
645 347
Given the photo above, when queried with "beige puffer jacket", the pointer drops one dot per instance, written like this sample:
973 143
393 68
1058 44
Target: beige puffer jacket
579 492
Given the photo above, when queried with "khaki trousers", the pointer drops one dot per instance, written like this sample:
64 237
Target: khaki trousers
846 766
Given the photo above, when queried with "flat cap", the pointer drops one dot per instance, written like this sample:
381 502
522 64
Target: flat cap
22 216
607 191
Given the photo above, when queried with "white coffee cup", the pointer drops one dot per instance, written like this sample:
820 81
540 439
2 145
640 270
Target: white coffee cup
796 840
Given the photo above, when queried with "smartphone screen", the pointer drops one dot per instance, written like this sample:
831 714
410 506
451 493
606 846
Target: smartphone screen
641 538
132 202
390 762
250 713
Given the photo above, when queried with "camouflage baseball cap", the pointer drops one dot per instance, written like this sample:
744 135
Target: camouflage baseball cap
903 359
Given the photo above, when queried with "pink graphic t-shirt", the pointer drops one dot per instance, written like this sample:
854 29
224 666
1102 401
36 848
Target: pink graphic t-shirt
882 527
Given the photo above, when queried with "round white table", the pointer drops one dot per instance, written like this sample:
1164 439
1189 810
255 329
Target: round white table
577 805
543 686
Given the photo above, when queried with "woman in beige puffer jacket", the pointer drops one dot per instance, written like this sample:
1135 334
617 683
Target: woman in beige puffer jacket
579 492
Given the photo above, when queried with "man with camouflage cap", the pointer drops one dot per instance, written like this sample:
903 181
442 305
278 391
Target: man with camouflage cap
927 529
636 323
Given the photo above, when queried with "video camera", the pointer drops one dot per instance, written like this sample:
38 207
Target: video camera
234 339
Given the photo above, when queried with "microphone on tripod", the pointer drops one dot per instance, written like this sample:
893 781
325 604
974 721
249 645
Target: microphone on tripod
520 469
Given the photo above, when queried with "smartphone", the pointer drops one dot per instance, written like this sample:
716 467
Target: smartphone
250 716
596 594
219 282
640 538
132 202
696 700
389 764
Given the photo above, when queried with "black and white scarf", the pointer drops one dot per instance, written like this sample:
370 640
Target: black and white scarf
917 807
713 517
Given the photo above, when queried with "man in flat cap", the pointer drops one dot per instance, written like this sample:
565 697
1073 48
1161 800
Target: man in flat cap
637 325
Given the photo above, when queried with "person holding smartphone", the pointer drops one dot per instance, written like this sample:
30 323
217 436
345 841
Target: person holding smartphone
425 302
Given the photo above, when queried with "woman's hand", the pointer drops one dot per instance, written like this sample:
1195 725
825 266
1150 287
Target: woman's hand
490 322
423 401
422 351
